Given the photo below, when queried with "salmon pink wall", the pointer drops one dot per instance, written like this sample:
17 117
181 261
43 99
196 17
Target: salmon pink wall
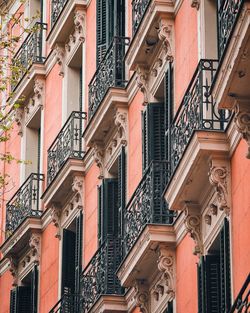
49 269
186 49
5 286
90 213
135 143
52 110
240 169
186 273
91 44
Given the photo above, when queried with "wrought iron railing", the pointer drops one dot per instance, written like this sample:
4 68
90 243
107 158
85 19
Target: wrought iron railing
110 73
31 51
242 302
99 278
228 13
24 203
56 9
139 7
146 205
198 111
68 144
69 303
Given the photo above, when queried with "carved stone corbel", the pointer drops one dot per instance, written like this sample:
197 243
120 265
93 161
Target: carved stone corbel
142 295
35 245
193 226
77 187
121 121
195 4
19 114
99 159
39 92
166 265
165 35
242 121
142 82
56 212
219 178
60 56
79 17
13 269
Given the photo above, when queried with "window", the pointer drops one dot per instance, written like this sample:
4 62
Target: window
72 256
110 23
23 298
214 284
111 201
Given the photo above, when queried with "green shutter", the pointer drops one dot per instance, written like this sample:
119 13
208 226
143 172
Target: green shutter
13 301
38 149
110 22
23 302
80 90
68 261
78 252
121 186
107 209
168 108
212 284
34 289
201 286
153 134
225 267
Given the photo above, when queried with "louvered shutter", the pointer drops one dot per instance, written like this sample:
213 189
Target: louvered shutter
78 252
13 301
101 29
201 286
34 288
121 186
68 261
153 134
212 284
225 268
80 90
168 108
110 207
23 302
170 308
100 213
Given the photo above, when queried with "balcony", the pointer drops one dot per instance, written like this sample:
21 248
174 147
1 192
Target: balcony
196 134
24 203
147 224
30 52
68 144
242 303
110 73
98 278
67 304
232 78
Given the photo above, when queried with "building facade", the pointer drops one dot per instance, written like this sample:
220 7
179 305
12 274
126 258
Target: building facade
135 122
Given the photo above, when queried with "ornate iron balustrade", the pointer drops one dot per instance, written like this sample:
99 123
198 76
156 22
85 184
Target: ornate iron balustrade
68 144
31 51
139 7
228 13
242 302
110 73
146 205
24 203
56 9
69 303
99 276
198 111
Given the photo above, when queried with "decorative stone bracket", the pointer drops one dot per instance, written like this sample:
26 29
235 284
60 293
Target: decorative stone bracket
166 265
142 296
193 226
63 52
219 177
165 34
242 121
